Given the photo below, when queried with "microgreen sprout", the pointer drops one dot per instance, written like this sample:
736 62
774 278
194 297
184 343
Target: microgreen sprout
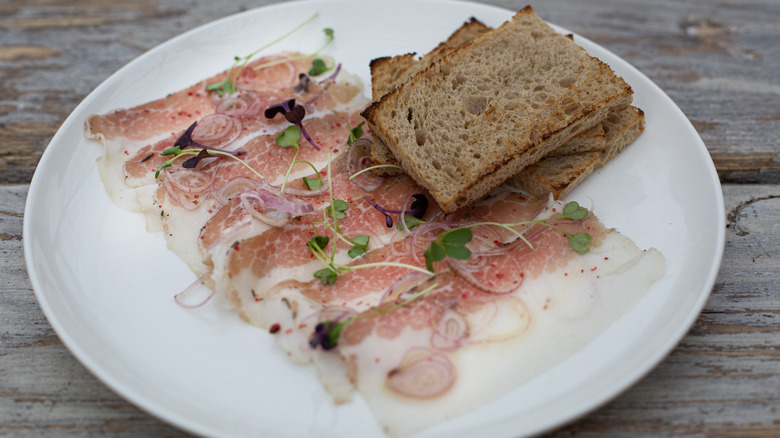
327 333
228 86
186 146
318 66
452 243
290 138
329 35
293 113
354 133
303 83
448 244
317 245
417 209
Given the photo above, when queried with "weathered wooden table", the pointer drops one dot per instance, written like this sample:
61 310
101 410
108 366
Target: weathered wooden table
719 63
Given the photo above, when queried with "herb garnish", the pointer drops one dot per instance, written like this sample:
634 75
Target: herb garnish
326 334
317 245
293 113
452 243
185 145
228 86
448 244
329 34
417 209
290 137
354 133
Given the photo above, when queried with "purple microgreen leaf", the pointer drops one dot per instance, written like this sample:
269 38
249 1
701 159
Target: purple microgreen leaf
185 139
192 162
418 208
303 83
326 334
279 108
384 211
295 115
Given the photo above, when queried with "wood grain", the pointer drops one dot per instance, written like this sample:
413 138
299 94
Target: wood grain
718 62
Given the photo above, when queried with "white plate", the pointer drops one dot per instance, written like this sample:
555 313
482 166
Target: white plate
106 285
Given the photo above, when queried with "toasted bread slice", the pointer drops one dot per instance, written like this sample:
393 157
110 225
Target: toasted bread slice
389 72
560 174
557 175
485 111
592 140
621 129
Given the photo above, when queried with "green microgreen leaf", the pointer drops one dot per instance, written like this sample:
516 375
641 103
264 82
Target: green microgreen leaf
356 251
459 252
355 133
328 32
161 167
434 253
579 242
313 183
289 137
337 208
458 236
327 277
573 211
361 240
451 243
320 241
318 67
171 151
361 246
224 87
411 222
228 86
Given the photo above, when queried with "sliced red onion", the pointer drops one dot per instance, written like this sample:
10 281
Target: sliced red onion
274 198
403 285
335 313
254 206
495 320
357 160
245 103
422 374
261 76
187 199
233 188
468 270
179 297
305 193
271 206
229 234
217 130
191 181
449 331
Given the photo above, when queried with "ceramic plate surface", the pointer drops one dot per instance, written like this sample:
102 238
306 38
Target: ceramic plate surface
106 285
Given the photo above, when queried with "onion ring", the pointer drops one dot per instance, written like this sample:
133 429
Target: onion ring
217 130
